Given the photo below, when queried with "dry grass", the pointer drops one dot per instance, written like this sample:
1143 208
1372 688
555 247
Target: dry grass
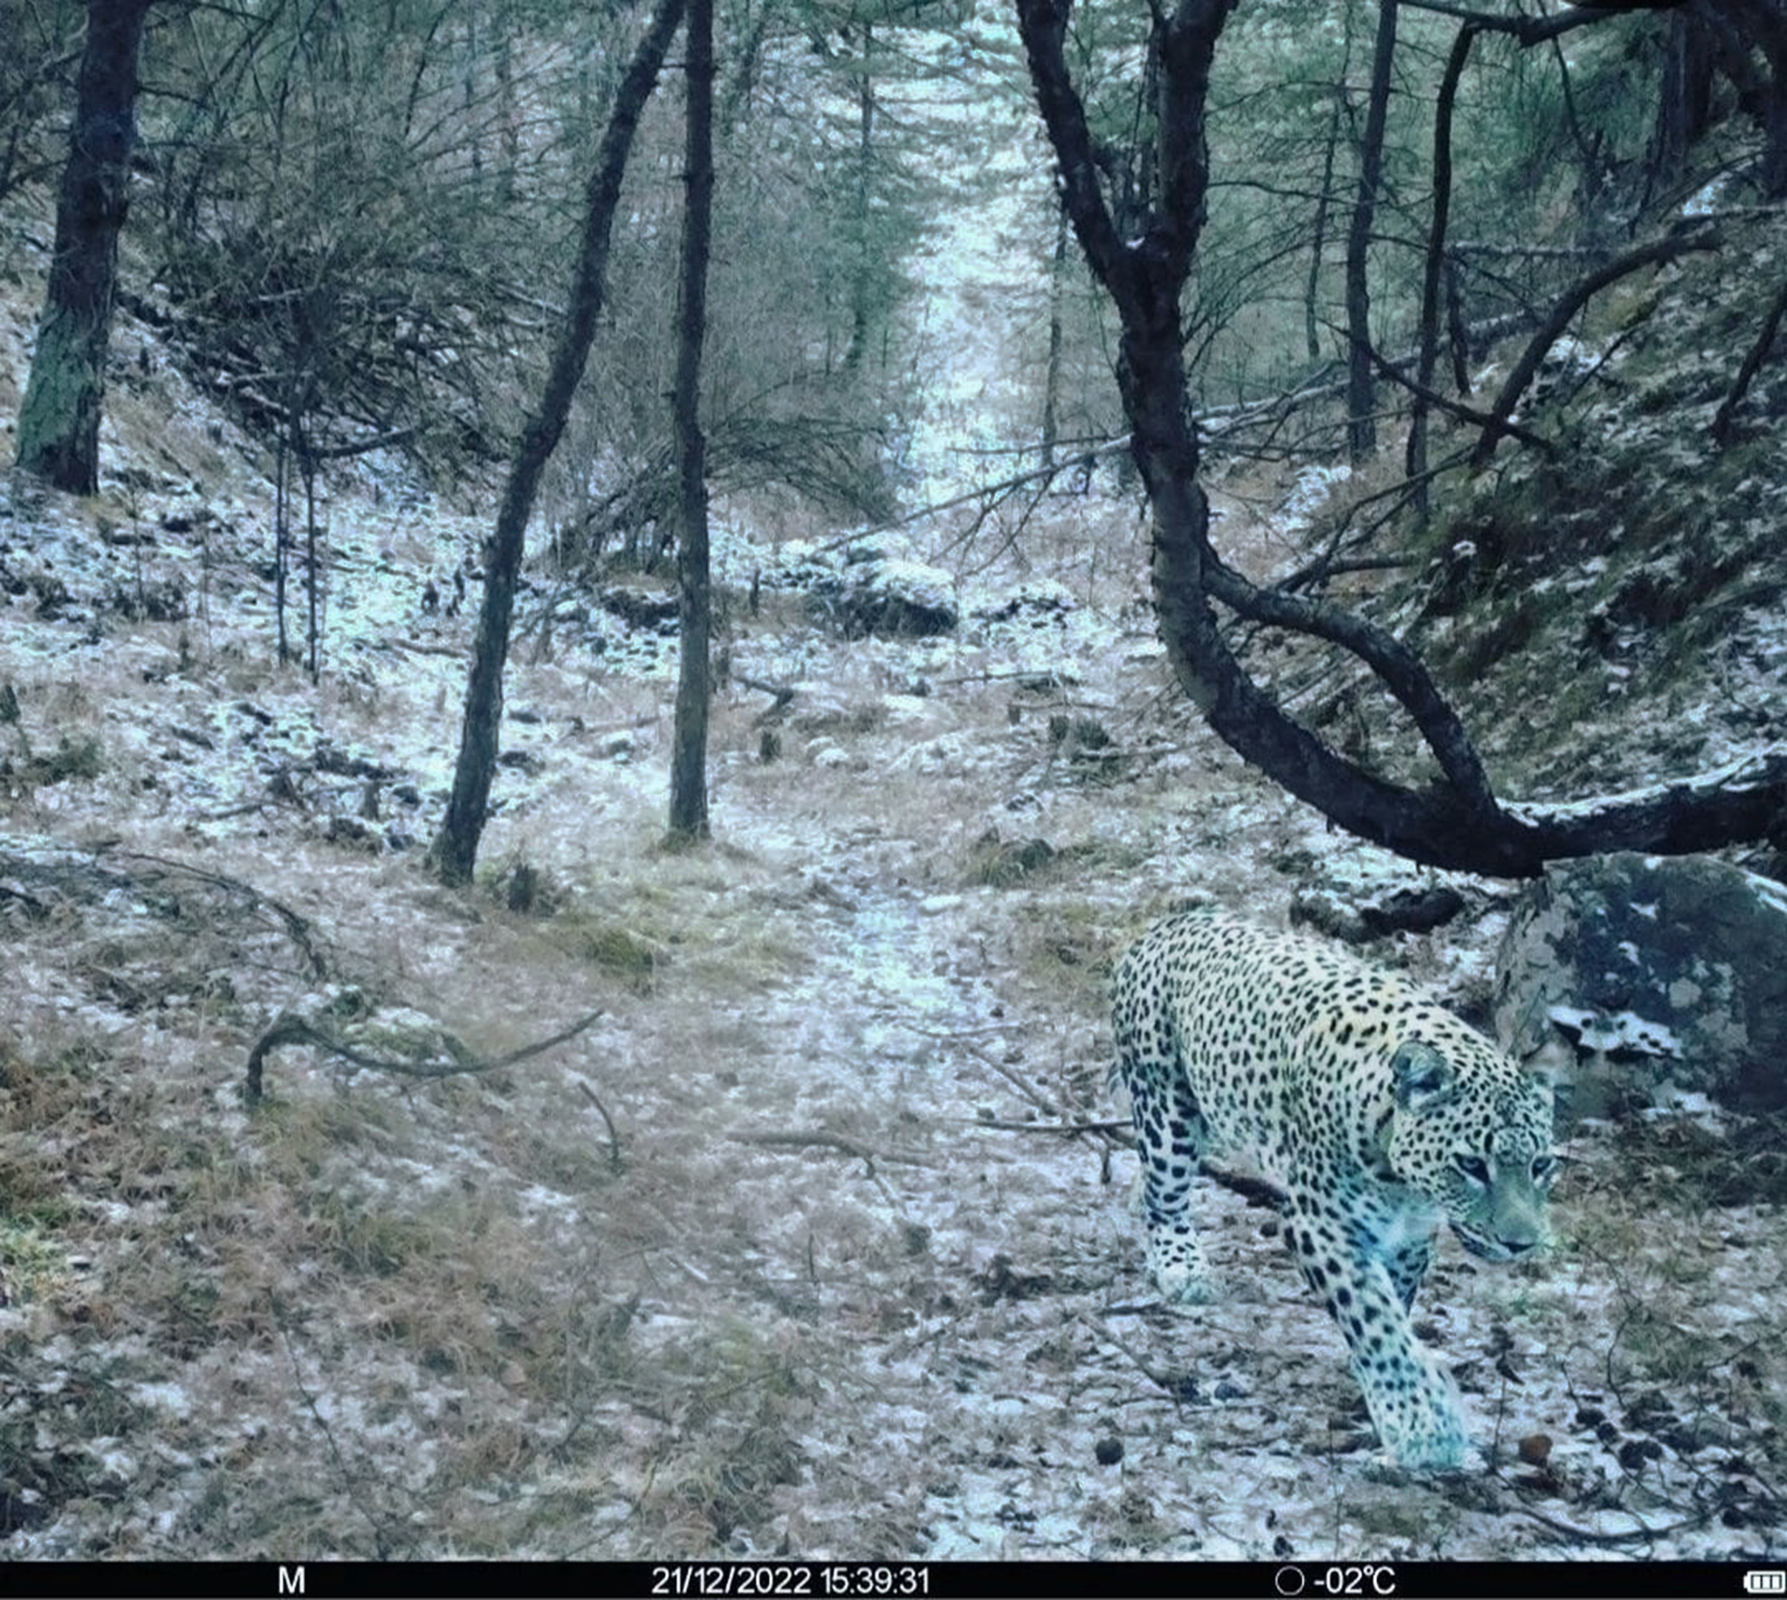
760 1260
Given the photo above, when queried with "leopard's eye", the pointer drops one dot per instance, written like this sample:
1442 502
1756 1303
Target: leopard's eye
1473 1167
1544 1168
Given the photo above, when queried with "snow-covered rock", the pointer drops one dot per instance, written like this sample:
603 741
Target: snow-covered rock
1642 979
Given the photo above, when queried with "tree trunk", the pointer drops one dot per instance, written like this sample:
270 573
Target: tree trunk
1051 394
1742 28
313 577
1361 423
1458 333
688 764
1684 99
862 280
58 427
282 511
1428 357
455 848
1312 291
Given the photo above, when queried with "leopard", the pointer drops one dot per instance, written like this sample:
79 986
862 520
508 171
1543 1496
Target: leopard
1375 1111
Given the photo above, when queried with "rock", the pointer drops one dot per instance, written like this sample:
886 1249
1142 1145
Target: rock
896 600
1535 1449
1342 914
643 608
1000 863
876 589
1641 979
1038 603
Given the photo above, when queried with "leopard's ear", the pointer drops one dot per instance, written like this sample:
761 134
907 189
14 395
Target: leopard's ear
1423 1078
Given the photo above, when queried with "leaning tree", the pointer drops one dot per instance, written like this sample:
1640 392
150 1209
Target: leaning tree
454 851
1143 264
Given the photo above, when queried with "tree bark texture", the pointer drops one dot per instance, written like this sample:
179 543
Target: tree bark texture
58 428
1361 423
1455 820
455 848
688 761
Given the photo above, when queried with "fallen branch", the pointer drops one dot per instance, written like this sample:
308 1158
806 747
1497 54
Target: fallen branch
1113 1126
297 928
1590 1536
289 1028
1746 372
1456 409
614 1160
236 811
1168 1384
1028 1090
1654 252
832 1141
1256 1191
783 692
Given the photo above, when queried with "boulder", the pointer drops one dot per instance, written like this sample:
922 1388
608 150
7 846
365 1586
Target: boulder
1640 980
656 610
872 589
892 599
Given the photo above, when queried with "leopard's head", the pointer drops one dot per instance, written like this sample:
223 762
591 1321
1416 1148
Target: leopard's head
1472 1132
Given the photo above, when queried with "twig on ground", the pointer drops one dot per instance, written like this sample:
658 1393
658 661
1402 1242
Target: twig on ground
381 1542
237 811
1589 1536
1028 1090
614 1160
291 1029
832 1141
1112 1126
1254 1190
297 928
1169 1386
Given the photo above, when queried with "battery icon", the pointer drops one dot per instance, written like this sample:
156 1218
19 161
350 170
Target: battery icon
1765 1580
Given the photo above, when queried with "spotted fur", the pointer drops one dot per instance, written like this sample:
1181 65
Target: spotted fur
1380 1113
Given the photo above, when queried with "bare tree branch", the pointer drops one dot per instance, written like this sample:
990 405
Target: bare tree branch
289 1028
1529 31
1747 370
1455 822
1652 253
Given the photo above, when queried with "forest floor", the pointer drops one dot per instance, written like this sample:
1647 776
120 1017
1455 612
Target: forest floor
818 1241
